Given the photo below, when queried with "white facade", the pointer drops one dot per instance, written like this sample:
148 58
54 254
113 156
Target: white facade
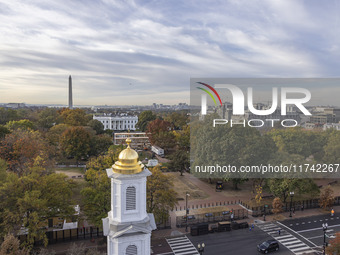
118 122
128 226
335 126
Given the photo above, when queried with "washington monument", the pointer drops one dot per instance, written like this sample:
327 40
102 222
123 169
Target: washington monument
70 102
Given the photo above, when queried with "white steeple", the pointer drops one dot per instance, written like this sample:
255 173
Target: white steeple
128 226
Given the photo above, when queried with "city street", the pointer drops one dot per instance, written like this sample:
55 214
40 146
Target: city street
310 228
242 241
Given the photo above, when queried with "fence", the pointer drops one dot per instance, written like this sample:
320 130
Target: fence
64 235
207 205
296 205
211 217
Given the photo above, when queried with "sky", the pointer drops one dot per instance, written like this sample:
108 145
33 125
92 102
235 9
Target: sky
143 52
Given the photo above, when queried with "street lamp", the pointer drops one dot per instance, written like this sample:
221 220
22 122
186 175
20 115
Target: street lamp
186 211
291 202
324 228
201 248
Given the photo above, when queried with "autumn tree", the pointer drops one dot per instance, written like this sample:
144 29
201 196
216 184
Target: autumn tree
23 149
326 200
75 142
277 205
178 120
334 245
143 120
161 197
160 134
22 124
74 117
258 194
29 201
11 246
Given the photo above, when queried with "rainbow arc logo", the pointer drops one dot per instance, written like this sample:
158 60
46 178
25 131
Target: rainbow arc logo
209 93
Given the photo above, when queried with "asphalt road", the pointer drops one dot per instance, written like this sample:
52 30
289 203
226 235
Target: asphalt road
240 242
310 228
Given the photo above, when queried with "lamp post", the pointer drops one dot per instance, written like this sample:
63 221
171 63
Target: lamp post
201 248
324 228
186 211
291 202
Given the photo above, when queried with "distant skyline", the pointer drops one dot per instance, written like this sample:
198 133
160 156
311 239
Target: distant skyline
143 52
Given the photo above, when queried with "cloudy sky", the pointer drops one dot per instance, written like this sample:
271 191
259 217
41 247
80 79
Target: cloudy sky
141 52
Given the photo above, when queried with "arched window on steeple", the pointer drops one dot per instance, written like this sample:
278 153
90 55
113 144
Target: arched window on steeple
131 250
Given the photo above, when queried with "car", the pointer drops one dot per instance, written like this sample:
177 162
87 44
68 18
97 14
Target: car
268 246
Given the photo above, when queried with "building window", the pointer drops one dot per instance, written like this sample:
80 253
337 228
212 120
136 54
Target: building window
131 250
131 198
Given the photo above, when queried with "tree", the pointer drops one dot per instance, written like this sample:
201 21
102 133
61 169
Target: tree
8 115
23 149
224 145
11 246
298 141
178 120
22 124
258 196
282 187
143 120
96 196
4 131
160 134
29 201
161 197
100 144
326 200
334 245
179 161
74 117
48 118
54 133
332 148
97 126
183 138
277 205
75 142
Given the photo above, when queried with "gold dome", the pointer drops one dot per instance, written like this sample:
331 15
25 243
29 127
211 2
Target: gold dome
128 161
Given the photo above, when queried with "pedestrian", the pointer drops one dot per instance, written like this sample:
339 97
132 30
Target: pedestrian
302 207
232 217
279 231
332 212
249 229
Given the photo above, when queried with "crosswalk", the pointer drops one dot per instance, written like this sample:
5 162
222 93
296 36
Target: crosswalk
294 244
182 246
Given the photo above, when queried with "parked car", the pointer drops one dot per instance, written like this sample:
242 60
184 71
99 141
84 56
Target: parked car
268 246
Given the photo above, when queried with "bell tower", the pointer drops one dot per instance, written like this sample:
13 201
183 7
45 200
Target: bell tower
128 226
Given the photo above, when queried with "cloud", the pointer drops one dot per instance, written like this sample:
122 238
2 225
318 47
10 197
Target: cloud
157 46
